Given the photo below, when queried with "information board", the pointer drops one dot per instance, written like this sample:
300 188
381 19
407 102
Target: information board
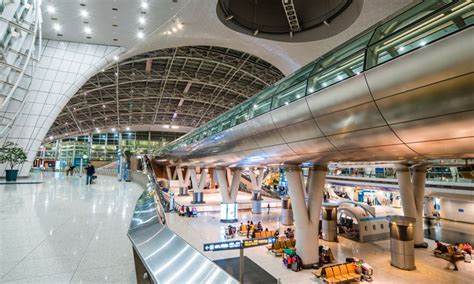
223 246
258 242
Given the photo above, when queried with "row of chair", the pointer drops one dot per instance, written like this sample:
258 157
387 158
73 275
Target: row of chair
265 234
243 229
278 247
341 273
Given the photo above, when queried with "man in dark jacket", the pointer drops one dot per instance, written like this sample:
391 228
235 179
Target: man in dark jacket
90 171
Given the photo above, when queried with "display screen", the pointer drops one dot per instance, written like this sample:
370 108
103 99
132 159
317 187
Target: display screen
229 211
223 246
258 242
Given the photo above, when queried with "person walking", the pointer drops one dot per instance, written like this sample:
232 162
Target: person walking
90 171
268 206
428 225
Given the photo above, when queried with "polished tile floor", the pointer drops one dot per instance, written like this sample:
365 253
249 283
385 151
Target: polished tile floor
63 231
207 228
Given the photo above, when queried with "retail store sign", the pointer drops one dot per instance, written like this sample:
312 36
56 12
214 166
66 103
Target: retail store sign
223 246
258 242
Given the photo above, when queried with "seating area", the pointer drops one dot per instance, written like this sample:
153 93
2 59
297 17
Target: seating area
446 254
340 273
266 234
243 229
278 247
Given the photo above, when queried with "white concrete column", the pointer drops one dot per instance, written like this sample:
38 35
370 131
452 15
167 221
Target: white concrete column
198 185
234 186
306 219
419 180
412 192
168 172
229 194
315 189
406 191
183 182
223 183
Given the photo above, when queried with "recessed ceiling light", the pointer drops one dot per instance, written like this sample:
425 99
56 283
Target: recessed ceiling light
116 58
51 9
166 126
57 27
180 26
174 29
141 20
84 13
128 128
140 35
144 5
103 106
88 30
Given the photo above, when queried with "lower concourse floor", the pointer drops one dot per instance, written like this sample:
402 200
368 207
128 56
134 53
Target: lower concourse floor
62 231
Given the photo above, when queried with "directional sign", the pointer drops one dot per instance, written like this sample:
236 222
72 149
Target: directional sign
223 246
258 242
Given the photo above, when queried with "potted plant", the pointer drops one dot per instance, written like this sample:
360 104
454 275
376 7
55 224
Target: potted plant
12 155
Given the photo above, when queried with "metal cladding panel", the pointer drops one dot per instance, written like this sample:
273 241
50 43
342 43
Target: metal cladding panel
354 118
312 146
268 138
261 124
300 131
326 157
349 93
278 150
365 138
447 58
445 147
450 96
297 111
382 153
457 125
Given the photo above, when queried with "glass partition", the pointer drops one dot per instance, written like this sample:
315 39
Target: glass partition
343 52
242 113
289 95
263 102
340 71
296 77
410 16
432 28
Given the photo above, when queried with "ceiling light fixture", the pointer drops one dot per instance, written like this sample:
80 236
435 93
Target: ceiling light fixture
180 26
57 27
140 35
51 9
103 106
144 5
84 14
166 126
128 128
141 20
175 126
168 32
174 29
113 129
88 30
116 58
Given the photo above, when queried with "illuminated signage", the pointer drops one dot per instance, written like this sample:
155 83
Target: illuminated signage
258 242
223 246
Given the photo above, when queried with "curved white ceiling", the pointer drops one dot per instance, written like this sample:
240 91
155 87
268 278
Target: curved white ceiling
200 27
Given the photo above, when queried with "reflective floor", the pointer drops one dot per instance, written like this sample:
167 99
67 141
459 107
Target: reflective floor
63 231
207 228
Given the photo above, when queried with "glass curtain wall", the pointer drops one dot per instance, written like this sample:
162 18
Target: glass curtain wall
104 146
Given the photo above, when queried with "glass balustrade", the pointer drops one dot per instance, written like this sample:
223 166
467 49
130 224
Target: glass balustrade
415 28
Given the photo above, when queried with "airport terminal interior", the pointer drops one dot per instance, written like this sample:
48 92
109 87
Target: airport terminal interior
232 141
